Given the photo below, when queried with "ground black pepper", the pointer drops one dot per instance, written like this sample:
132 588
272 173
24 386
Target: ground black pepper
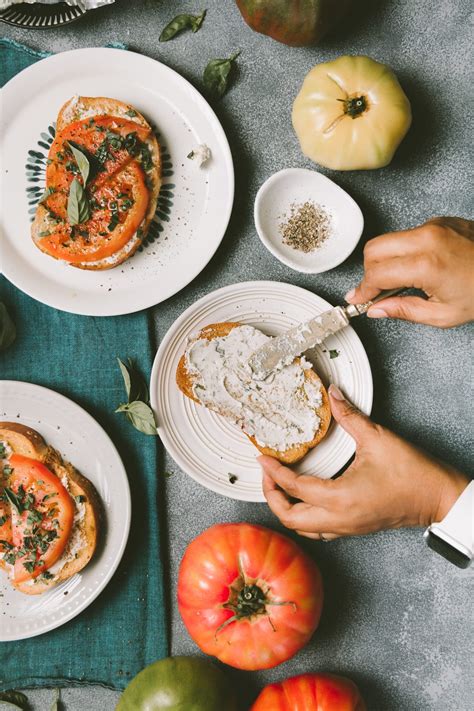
307 226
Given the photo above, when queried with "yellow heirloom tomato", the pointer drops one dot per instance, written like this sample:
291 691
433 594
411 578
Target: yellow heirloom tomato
351 114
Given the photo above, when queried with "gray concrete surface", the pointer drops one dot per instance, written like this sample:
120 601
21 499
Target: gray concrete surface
397 617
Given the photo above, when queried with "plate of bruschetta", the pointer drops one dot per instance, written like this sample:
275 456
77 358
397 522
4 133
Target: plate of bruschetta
62 532
117 181
215 417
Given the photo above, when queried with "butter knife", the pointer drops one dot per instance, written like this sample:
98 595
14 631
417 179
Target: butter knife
282 350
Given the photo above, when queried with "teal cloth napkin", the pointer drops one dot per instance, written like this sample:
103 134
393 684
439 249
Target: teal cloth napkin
125 627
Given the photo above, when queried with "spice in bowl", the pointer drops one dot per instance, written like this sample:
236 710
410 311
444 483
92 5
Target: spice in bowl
307 227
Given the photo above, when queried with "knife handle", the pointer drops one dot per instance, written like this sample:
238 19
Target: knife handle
358 309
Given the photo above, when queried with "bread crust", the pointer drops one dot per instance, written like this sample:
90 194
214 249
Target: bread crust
26 441
185 383
76 109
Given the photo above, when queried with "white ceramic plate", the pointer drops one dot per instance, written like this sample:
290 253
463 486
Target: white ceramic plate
296 186
74 433
208 447
195 203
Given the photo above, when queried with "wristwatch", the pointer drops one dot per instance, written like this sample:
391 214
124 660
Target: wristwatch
453 536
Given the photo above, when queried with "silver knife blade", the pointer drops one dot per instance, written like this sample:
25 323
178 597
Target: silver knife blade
282 350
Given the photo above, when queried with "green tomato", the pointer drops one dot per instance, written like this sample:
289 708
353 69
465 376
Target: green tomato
179 684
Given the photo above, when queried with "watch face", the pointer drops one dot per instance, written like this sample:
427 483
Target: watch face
454 555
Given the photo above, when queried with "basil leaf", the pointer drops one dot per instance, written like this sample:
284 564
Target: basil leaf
217 73
140 415
180 23
15 698
78 208
13 499
7 328
82 162
135 384
45 195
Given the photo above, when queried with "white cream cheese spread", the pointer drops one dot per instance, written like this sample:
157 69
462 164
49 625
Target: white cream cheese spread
280 411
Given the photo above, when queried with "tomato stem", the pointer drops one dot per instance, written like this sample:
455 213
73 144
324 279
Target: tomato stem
355 106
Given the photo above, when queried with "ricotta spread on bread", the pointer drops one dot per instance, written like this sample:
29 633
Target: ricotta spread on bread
279 412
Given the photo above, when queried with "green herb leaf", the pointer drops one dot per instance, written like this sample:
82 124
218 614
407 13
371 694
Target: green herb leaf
333 354
78 208
15 698
46 194
7 328
180 23
217 73
14 499
140 415
82 162
135 384
131 112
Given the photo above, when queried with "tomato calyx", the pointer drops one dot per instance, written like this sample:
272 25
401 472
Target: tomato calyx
248 600
355 106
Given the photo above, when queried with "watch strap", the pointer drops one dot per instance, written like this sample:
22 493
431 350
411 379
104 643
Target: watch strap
453 537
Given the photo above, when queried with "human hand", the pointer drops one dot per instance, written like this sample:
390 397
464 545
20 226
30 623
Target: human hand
437 257
390 484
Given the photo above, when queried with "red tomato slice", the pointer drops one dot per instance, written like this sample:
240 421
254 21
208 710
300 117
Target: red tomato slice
110 226
95 137
42 525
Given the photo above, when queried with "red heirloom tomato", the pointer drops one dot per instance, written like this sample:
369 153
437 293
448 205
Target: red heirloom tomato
248 595
311 692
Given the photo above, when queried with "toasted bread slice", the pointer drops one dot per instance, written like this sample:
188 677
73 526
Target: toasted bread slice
26 441
185 383
79 108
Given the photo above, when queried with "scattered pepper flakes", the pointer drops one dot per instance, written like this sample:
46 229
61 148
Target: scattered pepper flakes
307 227
232 478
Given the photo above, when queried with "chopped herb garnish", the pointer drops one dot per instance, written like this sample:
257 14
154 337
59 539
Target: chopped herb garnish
232 478
114 220
7 470
47 575
3 519
14 499
80 499
131 112
29 566
6 544
3 451
333 354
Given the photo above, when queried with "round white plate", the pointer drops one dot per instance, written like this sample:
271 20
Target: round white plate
297 186
77 436
208 447
195 203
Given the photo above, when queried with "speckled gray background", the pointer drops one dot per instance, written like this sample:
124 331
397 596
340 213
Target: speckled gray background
396 617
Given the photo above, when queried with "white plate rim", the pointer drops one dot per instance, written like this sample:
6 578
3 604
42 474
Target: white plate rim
224 211
83 414
281 257
176 325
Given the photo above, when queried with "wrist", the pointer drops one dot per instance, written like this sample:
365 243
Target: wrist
452 486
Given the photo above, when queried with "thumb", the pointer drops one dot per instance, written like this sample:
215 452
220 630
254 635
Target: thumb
410 308
349 417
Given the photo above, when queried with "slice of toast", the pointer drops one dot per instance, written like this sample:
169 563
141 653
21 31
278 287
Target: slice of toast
185 382
26 441
79 108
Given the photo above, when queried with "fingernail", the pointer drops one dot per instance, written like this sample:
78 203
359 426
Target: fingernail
377 313
335 392
350 295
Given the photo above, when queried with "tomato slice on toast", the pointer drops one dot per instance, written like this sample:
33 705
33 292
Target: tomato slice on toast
42 517
118 207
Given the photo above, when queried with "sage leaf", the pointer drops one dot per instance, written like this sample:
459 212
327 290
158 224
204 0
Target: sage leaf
217 74
140 415
7 328
134 382
15 699
82 162
78 208
180 23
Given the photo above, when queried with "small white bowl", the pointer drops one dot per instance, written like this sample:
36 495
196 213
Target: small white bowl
298 185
